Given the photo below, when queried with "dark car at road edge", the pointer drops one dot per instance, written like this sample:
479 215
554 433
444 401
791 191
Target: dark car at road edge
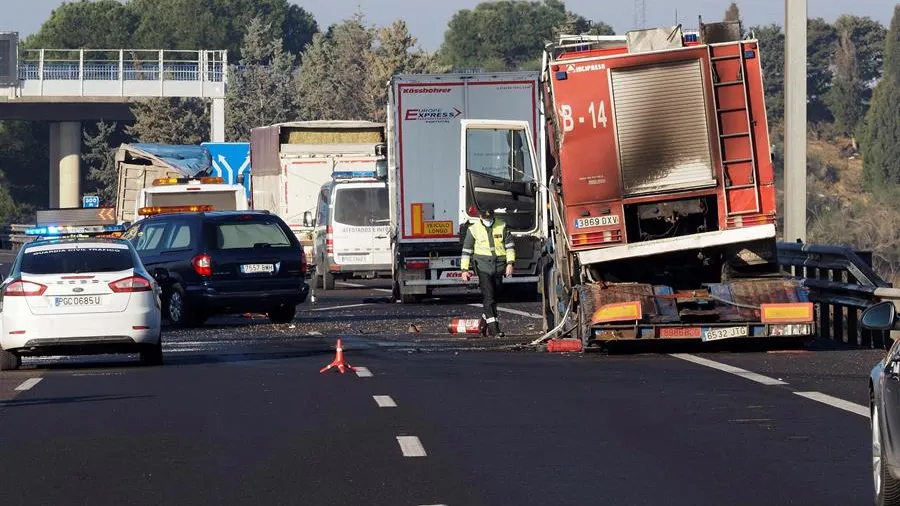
222 262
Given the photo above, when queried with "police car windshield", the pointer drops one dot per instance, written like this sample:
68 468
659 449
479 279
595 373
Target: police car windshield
67 259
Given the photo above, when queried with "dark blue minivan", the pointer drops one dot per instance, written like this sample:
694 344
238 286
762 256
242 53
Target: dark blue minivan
222 262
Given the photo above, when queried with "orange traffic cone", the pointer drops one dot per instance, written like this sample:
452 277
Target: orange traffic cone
338 360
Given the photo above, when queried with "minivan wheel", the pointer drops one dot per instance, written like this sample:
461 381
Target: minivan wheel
9 361
283 314
179 310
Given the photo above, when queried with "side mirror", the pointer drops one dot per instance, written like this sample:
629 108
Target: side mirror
881 316
307 219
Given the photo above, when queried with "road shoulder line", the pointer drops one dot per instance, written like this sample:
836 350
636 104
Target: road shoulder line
737 371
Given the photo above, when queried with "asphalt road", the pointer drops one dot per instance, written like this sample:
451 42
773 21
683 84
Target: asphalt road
240 415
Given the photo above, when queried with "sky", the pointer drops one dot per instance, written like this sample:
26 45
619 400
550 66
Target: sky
427 19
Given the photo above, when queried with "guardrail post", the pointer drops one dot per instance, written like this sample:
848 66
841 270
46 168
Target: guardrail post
81 71
122 72
161 76
41 70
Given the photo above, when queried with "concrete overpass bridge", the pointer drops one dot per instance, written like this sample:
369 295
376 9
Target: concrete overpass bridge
67 87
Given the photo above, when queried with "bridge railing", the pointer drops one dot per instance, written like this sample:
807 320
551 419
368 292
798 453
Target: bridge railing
122 65
842 284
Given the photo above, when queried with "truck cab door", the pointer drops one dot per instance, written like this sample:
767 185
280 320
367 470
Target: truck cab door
499 170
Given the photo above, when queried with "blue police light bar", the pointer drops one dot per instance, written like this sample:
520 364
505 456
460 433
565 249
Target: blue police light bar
53 231
353 174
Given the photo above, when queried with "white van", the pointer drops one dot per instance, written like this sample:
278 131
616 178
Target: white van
352 225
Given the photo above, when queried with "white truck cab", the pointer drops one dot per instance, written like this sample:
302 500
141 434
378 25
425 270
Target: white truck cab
352 229
206 192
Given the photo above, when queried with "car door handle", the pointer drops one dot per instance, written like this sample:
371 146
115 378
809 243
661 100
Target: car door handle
381 237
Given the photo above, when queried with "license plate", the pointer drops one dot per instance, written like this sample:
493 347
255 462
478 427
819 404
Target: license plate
599 221
257 268
76 301
725 333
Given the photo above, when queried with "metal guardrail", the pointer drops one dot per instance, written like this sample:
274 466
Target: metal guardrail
842 284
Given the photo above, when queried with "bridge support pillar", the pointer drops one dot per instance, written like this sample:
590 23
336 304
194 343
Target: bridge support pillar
217 120
53 180
65 164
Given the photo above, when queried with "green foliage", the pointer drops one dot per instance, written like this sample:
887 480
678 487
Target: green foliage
771 53
101 24
508 33
845 99
867 36
217 24
892 49
345 73
100 157
822 41
24 157
170 121
263 93
881 139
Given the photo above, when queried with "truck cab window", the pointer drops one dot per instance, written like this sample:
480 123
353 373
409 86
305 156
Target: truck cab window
500 153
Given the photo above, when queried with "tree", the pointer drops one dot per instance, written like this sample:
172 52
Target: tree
822 41
316 97
771 49
217 24
507 34
170 121
100 158
881 140
845 98
733 13
263 92
24 149
101 24
867 36
351 58
395 52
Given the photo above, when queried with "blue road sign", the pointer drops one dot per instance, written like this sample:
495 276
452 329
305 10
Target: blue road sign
90 201
231 160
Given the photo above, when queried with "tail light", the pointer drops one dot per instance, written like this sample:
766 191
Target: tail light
329 241
202 265
417 264
130 285
304 265
24 289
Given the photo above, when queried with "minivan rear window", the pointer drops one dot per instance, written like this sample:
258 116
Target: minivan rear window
74 261
361 207
248 234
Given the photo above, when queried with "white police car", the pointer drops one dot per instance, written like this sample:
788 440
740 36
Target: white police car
75 292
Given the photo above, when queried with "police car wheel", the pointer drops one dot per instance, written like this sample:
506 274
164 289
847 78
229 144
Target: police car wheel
152 354
9 361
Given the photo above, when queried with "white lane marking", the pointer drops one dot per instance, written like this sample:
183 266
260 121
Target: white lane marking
411 446
384 401
314 333
835 402
27 384
383 290
341 307
737 371
513 311
363 372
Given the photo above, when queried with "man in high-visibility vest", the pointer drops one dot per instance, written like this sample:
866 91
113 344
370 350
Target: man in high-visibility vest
489 241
